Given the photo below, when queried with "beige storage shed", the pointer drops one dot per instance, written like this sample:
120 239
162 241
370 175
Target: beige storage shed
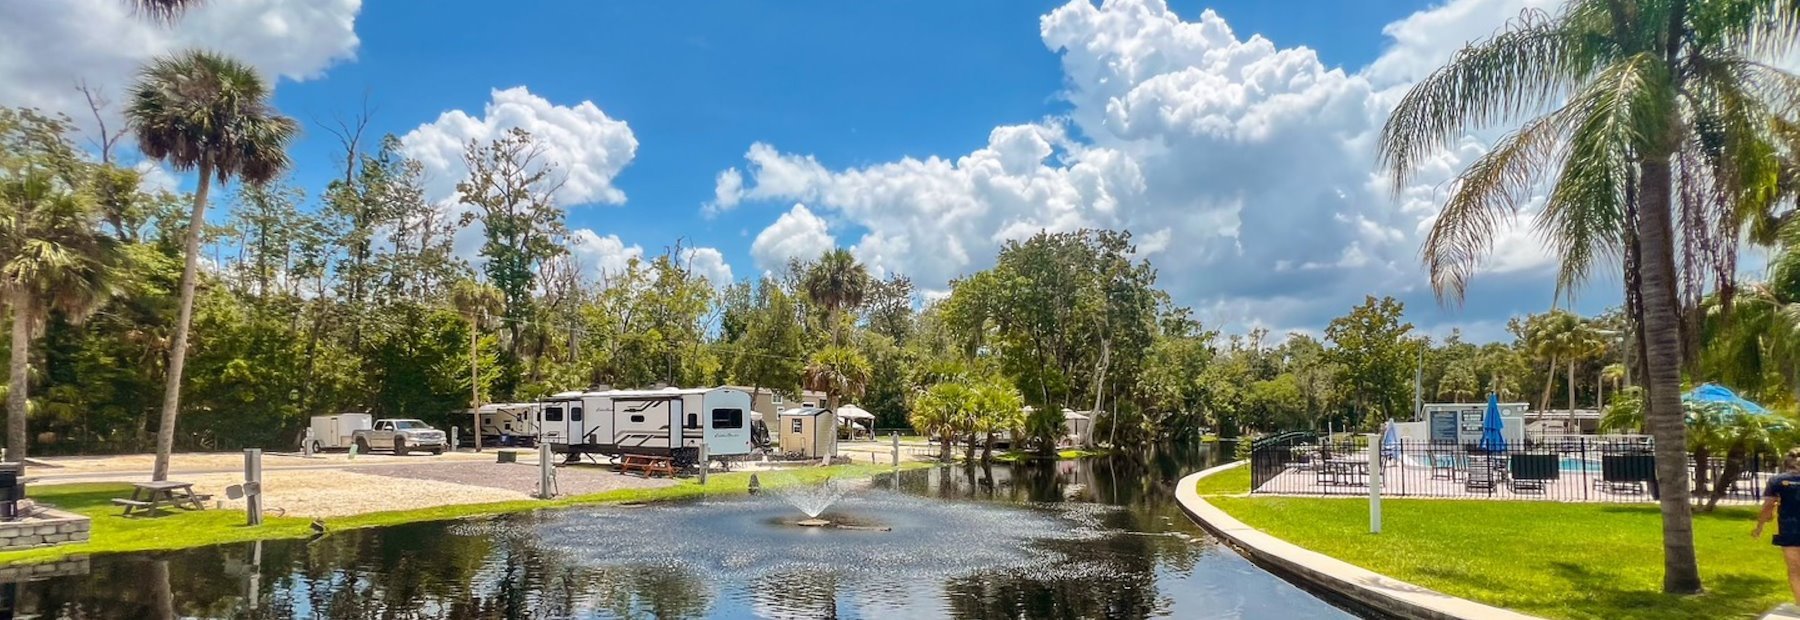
810 432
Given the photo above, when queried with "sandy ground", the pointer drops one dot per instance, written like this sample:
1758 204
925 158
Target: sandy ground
579 480
234 461
340 493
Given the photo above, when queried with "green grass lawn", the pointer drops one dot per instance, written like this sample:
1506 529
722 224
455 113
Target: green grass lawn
180 529
1234 481
1599 561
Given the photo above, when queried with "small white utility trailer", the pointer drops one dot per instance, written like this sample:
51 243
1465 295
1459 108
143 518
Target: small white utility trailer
335 431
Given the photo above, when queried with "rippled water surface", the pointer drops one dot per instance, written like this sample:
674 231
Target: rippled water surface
1100 538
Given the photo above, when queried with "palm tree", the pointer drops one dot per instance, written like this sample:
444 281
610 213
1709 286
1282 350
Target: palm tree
1613 373
51 258
1579 343
836 283
939 411
998 409
838 372
479 303
1636 95
166 11
205 112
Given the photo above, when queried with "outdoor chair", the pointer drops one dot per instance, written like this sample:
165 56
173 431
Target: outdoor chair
1625 473
1529 472
1443 466
1485 473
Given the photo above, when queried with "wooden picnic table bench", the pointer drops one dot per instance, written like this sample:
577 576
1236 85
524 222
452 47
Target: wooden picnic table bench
647 464
150 497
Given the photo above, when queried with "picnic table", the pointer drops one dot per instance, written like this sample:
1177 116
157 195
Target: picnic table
649 465
150 497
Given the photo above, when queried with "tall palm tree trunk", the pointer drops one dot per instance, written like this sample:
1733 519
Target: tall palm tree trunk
165 432
1662 365
1573 425
1549 384
474 382
17 378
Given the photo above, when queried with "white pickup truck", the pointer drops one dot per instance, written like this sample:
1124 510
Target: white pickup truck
401 436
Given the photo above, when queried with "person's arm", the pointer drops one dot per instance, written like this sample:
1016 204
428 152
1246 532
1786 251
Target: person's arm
1767 515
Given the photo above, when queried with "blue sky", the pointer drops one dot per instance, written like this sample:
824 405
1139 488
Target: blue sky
1233 137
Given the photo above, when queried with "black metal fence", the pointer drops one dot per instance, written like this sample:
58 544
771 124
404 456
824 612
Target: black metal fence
1573 468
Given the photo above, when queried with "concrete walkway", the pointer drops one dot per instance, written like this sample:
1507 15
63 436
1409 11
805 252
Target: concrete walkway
1385 594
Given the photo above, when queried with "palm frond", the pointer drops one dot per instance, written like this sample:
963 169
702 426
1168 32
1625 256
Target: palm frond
164 11
1488 193
1502 78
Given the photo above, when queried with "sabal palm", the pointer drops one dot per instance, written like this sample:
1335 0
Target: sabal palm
998 408
838 372
164 10
837 282
209 113
51 258
1754 343
479 303
939 411
1635 94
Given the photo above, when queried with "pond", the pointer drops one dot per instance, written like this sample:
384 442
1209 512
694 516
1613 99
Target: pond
1098 538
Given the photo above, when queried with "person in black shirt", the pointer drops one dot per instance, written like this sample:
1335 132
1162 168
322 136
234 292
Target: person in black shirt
1781 503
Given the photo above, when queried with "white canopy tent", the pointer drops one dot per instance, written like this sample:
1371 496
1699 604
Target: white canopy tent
856 419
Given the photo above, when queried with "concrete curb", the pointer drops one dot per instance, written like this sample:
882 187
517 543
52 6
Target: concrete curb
1374 591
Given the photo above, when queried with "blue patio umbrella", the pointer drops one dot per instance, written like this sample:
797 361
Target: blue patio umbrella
1715 394
1492 439
1390 440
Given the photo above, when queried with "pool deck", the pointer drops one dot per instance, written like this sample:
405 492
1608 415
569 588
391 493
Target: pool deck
1416 482
1381 593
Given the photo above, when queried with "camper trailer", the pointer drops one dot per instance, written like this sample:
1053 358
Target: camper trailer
507 424
669 422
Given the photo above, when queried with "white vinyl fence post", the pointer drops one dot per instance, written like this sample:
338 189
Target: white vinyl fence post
453 438
703 463
1374 484
896 438
546 473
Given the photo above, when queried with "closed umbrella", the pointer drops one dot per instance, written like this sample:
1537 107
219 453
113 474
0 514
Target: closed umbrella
1390 441
1492 437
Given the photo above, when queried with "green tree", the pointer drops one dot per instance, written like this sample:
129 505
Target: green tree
939 412
836 283
204 112
771 353
997 408
512 187
839 372
1374 351
1632 87
51 256
1459 384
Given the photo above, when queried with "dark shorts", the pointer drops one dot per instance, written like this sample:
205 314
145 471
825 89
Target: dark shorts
1787 535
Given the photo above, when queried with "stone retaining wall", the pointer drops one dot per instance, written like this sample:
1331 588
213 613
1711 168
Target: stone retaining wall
48 527
19 573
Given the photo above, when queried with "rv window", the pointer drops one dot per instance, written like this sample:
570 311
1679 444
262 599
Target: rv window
796 425
693 420
574 414
553 414
637 419
728 418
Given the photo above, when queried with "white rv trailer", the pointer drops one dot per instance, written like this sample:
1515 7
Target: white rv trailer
669 422
518 421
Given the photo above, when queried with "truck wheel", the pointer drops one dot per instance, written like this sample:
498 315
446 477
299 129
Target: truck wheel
362 445
400 446
438 451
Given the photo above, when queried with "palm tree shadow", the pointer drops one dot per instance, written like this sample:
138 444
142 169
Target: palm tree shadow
1729 595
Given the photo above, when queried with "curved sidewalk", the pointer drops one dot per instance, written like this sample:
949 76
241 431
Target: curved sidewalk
1369 589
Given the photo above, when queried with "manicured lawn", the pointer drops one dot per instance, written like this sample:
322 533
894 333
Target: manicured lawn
1556 560
179 529
1234 481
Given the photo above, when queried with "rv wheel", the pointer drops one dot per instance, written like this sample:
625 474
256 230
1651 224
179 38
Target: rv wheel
317 447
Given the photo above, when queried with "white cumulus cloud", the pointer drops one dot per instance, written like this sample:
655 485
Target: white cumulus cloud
47 47
796 234
1247 169
587 147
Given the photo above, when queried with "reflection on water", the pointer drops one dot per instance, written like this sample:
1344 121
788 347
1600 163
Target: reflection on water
1100 538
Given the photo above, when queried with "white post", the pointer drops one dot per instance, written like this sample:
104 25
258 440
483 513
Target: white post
703 463
546 472
253 485
452 447
1374 484
896 438
306 442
